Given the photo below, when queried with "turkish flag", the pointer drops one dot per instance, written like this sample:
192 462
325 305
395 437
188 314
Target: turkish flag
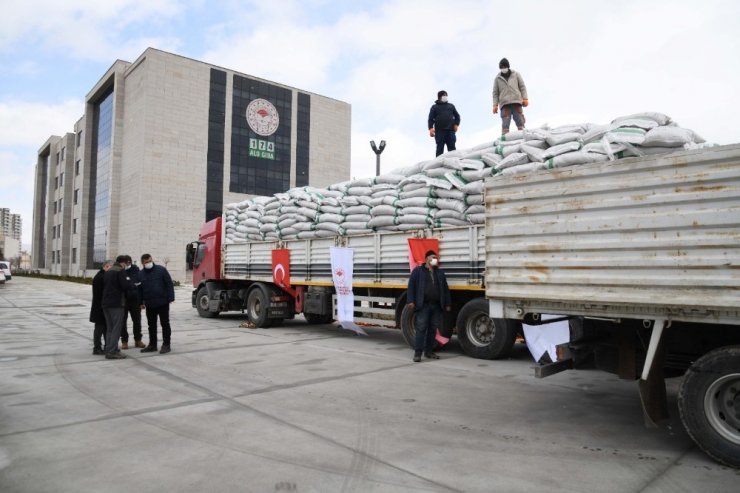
281 267
420 246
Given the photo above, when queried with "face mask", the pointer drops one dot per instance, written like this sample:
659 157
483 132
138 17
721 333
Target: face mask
433 262
443 99
504 71
128 267
149 265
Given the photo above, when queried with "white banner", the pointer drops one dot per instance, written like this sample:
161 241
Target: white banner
342 260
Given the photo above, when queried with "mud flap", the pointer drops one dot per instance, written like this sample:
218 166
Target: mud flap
652 381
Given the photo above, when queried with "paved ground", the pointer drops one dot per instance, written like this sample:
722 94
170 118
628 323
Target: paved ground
309 408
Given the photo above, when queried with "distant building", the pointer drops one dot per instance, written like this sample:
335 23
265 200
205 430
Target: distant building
163 144
11 225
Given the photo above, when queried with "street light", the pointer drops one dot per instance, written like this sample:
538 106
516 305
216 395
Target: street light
377 151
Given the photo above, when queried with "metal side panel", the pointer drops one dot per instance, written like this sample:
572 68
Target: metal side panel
658 233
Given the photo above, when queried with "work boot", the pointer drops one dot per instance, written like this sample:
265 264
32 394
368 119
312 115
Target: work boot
98 352
165 349
115 356
431 355
140 344
417 357
149 349
124 345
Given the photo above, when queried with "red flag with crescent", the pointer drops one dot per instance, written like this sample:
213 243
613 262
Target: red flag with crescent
281 268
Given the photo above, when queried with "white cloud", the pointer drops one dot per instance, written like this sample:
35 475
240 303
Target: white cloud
27 123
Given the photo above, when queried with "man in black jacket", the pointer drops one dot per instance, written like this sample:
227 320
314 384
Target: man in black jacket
96 309
116 285
156 292
443 122
133 307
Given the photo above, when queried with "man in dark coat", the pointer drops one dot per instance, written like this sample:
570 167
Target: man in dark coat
156 292
443 122
427 294
116 285
96 309
133 308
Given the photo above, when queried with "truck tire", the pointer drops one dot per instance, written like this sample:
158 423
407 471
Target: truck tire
201 303
408 330
314 319
257 305
709 404
481 336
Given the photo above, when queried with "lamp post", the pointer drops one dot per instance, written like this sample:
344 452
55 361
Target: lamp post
377 151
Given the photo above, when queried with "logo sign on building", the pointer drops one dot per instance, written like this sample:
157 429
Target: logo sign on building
264 120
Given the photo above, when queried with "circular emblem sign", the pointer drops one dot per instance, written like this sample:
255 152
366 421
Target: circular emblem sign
262 117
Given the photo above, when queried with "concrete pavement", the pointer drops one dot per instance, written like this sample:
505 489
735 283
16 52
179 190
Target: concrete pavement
303 408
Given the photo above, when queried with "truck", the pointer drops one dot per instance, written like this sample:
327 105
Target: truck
639 255
240 277
642 255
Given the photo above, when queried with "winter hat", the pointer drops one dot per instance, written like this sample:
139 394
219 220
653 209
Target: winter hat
504 63
430 252
441 93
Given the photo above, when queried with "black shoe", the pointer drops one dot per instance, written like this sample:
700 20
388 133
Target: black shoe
98 352
165 349
149 349
431 355
417 357
115 356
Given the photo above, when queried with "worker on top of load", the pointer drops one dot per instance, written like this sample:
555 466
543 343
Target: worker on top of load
443 122
510 94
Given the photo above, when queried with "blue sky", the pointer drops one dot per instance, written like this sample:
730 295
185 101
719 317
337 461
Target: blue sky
583 61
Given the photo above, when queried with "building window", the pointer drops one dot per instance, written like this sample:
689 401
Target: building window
60 205
55 207
61 179
100 162
53 232
56 182
77 168
74 226
74 255
79 138
64 152
76 196
58 159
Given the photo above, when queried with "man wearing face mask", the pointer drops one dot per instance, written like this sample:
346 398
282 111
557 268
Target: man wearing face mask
133 307
427 295
510 94
443 122
156 292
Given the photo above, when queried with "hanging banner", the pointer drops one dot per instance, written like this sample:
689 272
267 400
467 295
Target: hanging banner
418 247
342 270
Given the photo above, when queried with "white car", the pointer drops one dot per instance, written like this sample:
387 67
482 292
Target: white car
5 269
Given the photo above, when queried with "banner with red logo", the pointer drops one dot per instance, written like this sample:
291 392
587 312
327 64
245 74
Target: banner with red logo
418 247
342 270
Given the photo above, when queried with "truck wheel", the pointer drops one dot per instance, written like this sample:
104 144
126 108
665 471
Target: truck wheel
201 303
709 404
257 304
408 329
481 336
314 319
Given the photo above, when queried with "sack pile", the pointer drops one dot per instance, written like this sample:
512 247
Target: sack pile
447 190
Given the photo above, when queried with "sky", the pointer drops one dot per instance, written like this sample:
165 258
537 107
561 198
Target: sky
582 61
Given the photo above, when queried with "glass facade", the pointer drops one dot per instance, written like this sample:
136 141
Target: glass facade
303 133
216 131
260 162
101 160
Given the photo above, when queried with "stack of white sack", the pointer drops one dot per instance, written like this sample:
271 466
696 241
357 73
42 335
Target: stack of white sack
447 190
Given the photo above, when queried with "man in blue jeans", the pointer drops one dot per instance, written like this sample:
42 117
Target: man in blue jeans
443 123
427 295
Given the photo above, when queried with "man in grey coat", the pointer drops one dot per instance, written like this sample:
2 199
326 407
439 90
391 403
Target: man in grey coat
510 95
116 285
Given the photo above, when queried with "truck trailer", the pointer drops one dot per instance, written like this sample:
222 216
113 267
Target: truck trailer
643 256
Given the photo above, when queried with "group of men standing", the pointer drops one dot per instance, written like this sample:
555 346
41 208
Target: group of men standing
121 288
509 96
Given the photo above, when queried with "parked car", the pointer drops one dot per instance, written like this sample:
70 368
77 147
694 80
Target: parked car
5 269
